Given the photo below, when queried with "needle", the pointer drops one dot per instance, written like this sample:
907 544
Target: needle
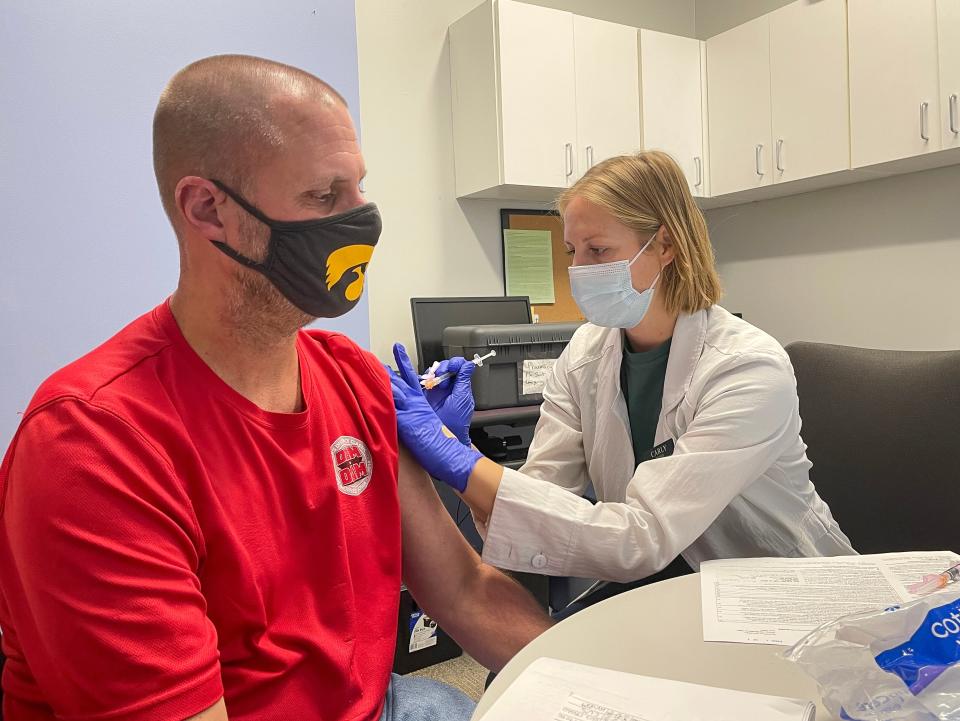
431 382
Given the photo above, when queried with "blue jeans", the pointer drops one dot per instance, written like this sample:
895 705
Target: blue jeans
411 698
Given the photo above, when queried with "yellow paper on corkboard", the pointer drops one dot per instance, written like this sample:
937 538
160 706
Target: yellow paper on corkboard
528 263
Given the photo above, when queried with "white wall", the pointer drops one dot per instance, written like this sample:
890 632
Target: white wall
432 244
676 16
875 264
715 16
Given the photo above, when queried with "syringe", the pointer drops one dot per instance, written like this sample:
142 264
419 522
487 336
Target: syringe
431 382
934 582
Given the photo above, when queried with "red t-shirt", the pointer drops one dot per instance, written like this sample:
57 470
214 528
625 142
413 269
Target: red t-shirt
165 542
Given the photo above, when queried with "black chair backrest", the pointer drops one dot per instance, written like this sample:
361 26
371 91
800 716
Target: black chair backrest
883 434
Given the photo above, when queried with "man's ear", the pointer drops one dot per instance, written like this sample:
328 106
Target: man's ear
200 205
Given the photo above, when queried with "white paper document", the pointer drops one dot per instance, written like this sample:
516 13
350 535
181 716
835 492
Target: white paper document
552 690
535 373
778 601
578 708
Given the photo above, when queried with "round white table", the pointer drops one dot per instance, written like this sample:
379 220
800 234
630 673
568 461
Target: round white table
657 631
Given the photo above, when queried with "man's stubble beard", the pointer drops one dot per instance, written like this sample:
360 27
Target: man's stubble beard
255 308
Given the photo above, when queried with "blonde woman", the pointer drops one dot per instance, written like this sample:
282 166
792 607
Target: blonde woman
683 416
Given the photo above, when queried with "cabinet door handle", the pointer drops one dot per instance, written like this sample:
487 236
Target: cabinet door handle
759 158
589 157
568 158
924 121
780 155
954 115
698 163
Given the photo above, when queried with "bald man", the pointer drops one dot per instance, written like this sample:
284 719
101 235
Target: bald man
208 516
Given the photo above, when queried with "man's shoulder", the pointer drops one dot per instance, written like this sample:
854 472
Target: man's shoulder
347 376
99 373
344 353
105 398
332 340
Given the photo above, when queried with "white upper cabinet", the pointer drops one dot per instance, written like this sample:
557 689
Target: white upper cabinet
514 98
894 80
778 97
808 89
948 29
802 93
738 90
538 97
672 107
607 90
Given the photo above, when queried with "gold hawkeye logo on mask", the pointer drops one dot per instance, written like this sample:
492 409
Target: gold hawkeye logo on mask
345 259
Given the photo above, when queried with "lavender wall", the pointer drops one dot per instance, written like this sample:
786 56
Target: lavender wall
84 244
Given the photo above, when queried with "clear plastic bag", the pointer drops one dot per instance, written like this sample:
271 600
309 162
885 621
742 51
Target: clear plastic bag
896 664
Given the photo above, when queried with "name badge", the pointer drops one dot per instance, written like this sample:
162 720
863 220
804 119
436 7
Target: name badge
662 451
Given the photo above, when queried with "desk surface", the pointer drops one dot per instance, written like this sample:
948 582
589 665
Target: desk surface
657 631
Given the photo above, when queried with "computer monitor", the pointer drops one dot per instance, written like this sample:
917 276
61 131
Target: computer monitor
431 316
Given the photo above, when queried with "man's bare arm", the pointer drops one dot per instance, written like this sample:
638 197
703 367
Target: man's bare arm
490 615
217 712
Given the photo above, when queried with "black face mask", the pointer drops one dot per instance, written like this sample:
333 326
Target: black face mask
318 265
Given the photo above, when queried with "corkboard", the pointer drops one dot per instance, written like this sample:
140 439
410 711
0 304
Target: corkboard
563 308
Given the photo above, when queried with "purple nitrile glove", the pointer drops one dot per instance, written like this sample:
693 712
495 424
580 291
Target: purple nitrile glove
420 429
452 398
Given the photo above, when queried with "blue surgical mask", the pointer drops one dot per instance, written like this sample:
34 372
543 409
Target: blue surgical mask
605 294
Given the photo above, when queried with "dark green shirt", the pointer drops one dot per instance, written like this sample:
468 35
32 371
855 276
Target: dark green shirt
641 378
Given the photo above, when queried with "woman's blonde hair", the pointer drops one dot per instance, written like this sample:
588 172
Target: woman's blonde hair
646 191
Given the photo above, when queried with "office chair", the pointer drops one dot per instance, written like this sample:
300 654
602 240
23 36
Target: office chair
883 433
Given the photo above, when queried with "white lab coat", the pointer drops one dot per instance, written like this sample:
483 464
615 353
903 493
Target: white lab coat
736 486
